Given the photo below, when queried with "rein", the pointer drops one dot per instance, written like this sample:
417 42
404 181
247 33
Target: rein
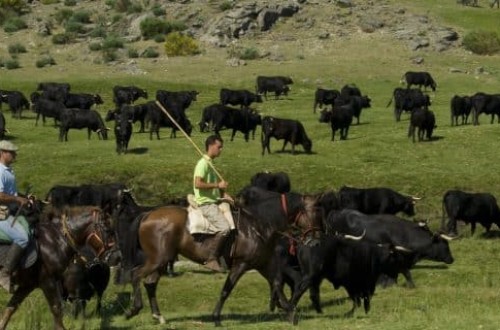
92 239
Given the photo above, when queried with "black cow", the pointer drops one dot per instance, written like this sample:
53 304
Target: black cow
377 200
47 108
471 208
81 281
242 97
349 90
416 238
3 127
82 118
407 100
424 121
123 128
277 181
105 196
159 119
54 91
354 265
244 120
284 129
16 101
419 79
324 97
276 84
82 100
485 103
461 106
181 98
127 94
340 118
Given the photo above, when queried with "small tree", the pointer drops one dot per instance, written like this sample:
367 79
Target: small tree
178 44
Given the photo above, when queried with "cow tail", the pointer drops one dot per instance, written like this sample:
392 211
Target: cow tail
390 101
443 215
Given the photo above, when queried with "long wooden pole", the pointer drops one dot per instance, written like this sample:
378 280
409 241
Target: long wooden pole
188 137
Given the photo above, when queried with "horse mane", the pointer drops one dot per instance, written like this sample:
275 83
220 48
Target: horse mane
52 212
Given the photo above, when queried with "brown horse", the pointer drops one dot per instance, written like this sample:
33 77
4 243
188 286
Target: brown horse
262 218
60 234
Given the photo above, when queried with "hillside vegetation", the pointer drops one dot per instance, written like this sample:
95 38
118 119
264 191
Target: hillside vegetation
322 45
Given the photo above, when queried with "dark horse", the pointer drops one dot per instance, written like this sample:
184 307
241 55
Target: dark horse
262 218
59 235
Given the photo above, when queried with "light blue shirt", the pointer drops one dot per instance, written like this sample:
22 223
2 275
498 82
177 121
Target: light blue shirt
7 180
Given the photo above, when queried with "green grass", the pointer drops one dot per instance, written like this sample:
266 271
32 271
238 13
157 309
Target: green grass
377 153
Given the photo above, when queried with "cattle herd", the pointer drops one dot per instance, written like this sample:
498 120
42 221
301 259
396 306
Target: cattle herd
339 108
363 242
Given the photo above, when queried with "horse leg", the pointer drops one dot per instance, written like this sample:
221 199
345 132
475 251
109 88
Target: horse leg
136 297
234 275
52 292
150 284
13 305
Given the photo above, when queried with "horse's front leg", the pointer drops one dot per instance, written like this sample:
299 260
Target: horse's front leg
234 275
150 284
13 304
52 292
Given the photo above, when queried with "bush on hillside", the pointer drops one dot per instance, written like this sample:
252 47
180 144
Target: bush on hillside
14 24
17 48
226 5
482 42
178 44
125 6
150 52
75 27
15 5
63 15
157 10
133 53
49 2
249 53
82 16
63 38
95 46
11 64
98 32
112 42
70 3
44 61
152 26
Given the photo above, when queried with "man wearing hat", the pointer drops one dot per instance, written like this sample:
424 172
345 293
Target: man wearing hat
11 227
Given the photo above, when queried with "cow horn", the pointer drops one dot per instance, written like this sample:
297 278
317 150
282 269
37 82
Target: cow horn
446 237
401 248
45 202
127 190
416 198
355 238
108 129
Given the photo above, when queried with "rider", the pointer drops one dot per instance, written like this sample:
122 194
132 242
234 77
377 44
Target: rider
209 192
11 226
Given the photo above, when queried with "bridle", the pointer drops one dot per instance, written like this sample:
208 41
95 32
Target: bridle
93 234
298 216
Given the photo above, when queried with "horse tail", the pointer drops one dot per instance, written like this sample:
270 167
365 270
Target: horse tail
132 247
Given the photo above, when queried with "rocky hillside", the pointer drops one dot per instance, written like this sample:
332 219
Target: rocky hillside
218 24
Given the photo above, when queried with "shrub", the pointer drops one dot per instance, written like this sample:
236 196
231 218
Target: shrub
158 11
178 44
62 38
44 61
226 5
112 42
134 8
95 46
16 48
63 15
121 6
482 42
152 26
49 2
109 55
14 24
159 38
11 64
82 16
249 54
16 5
70 3
133 53
150 52
98 32
75 27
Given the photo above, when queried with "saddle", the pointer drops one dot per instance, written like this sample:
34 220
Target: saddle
198 224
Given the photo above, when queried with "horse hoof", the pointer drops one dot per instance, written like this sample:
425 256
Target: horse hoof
292 317
160 318
131 313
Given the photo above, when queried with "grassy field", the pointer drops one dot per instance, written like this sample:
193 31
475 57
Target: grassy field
464 295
